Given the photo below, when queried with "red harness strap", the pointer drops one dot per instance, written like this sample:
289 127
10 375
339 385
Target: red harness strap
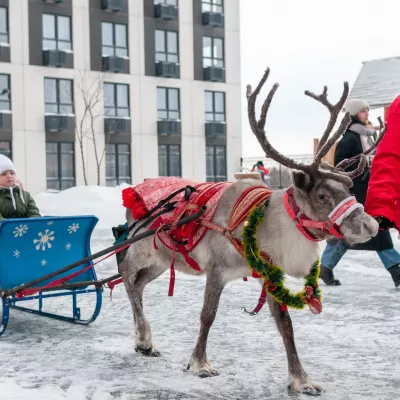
250 198
330 227
60 281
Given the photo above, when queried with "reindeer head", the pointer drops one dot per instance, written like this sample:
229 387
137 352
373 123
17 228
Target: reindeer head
320 187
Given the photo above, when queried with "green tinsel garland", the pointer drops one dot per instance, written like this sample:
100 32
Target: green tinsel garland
271 272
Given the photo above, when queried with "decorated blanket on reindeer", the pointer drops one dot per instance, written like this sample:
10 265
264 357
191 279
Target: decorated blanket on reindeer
142 198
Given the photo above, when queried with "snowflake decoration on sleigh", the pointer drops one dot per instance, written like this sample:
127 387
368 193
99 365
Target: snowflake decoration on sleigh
73 228
44 240
20 230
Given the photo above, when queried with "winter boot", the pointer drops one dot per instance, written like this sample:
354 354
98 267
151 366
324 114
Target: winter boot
327 276
395 272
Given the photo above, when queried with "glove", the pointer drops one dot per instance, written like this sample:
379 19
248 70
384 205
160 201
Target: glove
384 223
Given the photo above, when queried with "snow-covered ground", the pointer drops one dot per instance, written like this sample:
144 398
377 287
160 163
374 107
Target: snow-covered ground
352 348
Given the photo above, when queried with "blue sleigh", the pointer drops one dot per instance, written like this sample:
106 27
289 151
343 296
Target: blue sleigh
31 248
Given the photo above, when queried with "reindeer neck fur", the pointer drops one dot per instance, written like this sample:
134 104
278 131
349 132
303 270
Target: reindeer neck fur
285 244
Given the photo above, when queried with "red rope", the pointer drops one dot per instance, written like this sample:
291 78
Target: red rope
60 281
112 284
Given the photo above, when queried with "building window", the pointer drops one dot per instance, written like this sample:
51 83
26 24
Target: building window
3 25
170 2
169 160
60 165
116 100
5 148
167 46
58 95
168 103
215 106
216 6
118 164
216 163
213 52
56 32
114 39
5 92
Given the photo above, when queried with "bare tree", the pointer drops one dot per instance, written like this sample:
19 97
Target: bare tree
89 95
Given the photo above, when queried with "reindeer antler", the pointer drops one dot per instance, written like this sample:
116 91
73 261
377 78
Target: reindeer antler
349 161
258 129
258 126
334 110
325 144
317 167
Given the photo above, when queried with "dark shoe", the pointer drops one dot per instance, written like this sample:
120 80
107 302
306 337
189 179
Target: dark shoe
327 276
395 272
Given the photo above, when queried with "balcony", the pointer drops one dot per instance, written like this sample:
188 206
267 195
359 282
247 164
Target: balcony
54 58
214 74
213 19
215 128
167 69
165 11
168 127
113 64
114 125
53 1
56 123
113 5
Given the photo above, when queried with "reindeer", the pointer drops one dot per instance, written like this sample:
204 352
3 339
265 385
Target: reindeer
317 189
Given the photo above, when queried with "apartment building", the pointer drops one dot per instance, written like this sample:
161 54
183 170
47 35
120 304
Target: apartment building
112 91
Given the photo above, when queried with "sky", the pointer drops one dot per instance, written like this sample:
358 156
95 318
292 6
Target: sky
308 44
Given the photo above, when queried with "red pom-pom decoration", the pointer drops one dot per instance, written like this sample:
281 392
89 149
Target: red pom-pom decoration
132 201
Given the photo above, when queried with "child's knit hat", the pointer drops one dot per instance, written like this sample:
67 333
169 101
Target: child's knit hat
6 164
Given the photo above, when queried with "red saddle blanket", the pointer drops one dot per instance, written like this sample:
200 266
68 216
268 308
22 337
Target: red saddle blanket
143 197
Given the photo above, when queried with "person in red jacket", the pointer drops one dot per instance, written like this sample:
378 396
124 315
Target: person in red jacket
383 195
259 166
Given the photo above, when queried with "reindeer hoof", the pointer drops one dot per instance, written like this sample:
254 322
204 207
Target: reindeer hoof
203 371
304 386
207 374
312 391
150 352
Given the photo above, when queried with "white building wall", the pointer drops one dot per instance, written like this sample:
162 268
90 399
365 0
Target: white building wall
27 87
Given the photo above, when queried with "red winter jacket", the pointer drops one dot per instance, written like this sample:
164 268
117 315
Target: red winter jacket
383 196
261 168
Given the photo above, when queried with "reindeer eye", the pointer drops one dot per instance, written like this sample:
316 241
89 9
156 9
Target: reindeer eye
321 196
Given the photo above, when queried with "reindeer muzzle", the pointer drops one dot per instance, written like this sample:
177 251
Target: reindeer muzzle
340 213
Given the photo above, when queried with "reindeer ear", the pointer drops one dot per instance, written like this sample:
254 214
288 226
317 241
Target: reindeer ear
302 181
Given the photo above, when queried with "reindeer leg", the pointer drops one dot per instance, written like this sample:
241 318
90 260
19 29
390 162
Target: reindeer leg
198 362
144 343
135 282
299 380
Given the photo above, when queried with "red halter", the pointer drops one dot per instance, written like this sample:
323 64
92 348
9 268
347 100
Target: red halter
336 217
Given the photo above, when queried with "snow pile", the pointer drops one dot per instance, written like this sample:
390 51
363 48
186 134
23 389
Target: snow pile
103 202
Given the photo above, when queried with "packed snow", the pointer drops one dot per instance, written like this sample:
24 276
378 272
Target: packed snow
352 349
